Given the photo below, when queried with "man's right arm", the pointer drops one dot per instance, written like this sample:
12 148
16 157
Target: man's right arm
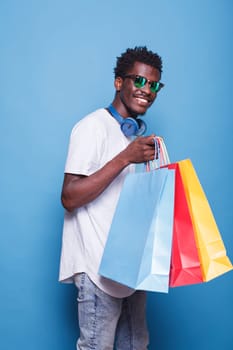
79 190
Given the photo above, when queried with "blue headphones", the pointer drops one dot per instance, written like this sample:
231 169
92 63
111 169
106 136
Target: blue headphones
129 126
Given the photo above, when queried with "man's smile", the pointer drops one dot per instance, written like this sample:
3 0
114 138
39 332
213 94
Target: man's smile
143 101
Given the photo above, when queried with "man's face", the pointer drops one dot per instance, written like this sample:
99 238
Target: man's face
133 100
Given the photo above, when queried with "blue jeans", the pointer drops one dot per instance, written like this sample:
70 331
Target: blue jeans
105 320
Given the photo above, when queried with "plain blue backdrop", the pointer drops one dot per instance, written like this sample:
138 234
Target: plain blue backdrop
56 65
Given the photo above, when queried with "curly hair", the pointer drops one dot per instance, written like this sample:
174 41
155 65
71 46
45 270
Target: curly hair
139 54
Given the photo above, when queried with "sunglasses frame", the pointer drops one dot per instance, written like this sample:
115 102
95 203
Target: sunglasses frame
158 85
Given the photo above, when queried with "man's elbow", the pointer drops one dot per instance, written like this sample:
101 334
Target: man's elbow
67 203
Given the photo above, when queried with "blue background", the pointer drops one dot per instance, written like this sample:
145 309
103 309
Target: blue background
56 65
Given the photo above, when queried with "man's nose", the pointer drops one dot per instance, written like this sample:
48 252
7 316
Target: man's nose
146 88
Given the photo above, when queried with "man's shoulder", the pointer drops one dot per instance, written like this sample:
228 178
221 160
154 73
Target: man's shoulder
96 119
98 113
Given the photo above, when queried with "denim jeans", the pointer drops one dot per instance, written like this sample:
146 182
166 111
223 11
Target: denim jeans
105 320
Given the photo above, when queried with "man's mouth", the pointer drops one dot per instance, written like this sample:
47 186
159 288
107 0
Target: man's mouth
142 101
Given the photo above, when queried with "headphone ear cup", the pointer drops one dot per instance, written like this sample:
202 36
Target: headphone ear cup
141 127
129 126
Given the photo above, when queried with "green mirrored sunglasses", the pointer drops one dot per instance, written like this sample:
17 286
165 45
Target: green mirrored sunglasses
140 82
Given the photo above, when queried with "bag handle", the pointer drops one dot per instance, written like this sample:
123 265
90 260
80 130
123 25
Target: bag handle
161 155
163 151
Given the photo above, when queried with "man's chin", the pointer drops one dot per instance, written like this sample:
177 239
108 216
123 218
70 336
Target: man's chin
138 111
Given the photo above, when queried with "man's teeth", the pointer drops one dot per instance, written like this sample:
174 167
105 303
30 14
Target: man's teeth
142 99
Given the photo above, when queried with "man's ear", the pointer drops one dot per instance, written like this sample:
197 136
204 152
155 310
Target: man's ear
118 83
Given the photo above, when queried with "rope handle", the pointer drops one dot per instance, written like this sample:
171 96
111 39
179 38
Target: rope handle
161 155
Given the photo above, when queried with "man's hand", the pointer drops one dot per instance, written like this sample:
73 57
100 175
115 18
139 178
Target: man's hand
142 149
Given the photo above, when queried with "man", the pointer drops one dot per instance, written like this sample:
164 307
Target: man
103 149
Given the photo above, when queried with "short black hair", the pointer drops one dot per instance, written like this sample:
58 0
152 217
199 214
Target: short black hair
139 54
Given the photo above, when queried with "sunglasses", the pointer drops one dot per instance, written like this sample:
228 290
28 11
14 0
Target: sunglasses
140 82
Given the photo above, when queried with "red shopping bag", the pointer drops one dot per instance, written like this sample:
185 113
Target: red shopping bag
185 263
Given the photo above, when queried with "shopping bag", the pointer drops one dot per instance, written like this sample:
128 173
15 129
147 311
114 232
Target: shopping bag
211 249
185 263
138 248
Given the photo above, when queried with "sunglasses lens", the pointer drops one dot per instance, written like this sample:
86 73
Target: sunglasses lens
155 86
139 82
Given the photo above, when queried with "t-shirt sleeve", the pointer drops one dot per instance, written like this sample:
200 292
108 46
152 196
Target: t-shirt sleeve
84 149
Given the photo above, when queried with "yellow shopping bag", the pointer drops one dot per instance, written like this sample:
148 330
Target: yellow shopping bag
211 249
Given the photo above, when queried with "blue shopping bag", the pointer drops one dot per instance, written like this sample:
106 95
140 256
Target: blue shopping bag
138 248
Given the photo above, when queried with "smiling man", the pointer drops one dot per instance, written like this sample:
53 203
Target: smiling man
104 147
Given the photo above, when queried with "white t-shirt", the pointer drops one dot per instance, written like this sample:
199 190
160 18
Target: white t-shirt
94 141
